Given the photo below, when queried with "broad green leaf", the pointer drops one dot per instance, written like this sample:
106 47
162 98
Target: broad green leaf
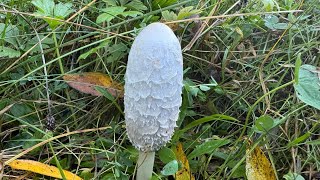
308 86
49 9
166 155
264 123
104 17
293 176
44 6
194 90
116 51
187 12
11 34
111 2
208 147
136 5
8 52
204 88
268 5
169 15
62 10
170 168
270 20
110 13
131 13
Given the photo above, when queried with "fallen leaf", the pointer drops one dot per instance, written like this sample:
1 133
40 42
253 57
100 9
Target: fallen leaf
184 173
40 168
258 167
86 82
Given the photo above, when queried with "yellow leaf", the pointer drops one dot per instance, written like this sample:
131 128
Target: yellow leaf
85 82
184 173
40 168
258 167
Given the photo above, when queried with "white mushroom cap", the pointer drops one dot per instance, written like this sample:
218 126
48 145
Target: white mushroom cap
153 87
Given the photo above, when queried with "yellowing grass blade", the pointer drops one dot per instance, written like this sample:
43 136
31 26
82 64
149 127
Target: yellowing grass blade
40 168
258 167
184 173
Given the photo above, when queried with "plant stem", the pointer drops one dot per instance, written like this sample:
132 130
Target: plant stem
57 51
61 68
145 165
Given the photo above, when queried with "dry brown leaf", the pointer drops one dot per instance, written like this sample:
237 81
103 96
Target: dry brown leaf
40 168
85 82
258 167
184 173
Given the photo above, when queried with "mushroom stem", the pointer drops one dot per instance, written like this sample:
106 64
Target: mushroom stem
145 165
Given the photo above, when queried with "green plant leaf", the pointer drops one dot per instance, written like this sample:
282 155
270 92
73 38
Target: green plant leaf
110 13
8 52
62 10
111 2
208 147
308 86
315 142
187 12
11 33
208 119
268 5
45 7
166 155
170 168
204 88
93 50
105 93
49 9
136 5
299 139
156 4
272 22
169 15
264 123
131 13
293 176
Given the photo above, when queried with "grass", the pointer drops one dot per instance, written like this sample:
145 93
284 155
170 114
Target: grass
242 66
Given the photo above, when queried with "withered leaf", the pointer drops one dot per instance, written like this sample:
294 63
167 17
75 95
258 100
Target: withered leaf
86 82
